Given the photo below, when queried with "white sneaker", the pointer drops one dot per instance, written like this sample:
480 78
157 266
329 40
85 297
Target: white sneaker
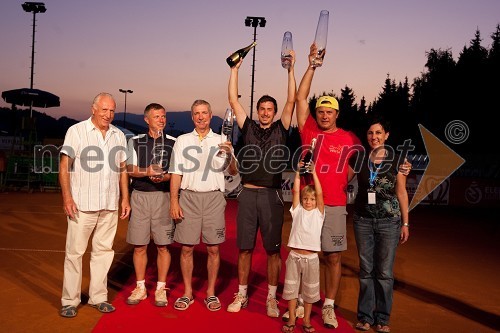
329 318
299 312
138 294
272 307
239 303
161 297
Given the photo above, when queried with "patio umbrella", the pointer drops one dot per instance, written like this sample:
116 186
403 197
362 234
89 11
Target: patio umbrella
31 97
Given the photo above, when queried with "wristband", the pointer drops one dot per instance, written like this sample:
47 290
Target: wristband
406 225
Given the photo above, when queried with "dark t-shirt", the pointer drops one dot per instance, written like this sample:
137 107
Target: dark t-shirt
264 155
147 151
384 184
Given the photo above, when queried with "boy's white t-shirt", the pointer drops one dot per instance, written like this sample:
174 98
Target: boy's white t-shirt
306 228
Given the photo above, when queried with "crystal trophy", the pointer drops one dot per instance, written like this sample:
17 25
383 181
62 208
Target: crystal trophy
227 129
159 157
286 47
321 38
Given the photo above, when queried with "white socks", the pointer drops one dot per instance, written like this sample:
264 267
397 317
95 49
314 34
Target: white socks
328 301
272 291
242 290
141 284
159 285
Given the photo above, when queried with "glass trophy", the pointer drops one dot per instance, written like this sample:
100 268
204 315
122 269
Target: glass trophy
227 129
308 157
159 157
286 47
321 38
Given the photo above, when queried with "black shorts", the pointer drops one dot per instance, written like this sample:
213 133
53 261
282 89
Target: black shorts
260 208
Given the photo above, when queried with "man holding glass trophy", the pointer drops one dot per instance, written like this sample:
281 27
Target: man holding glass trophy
260 203
147 166
328 153
197 202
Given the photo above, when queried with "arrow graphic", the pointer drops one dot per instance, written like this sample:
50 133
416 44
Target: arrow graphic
443 161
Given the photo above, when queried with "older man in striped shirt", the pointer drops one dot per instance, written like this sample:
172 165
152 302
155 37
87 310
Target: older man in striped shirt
92 176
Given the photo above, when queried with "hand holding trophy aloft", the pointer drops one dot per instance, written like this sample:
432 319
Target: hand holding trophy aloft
286 49
320 38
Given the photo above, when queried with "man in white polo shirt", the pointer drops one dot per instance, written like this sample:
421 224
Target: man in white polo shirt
198 172
92 175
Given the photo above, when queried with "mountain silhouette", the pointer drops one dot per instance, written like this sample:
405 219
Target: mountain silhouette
178 122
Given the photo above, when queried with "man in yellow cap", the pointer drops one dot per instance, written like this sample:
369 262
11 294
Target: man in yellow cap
333 148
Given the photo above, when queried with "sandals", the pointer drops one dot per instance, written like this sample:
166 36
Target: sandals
288 328
362 326
103 307
68 311
183 303
308 329
382 328
211 301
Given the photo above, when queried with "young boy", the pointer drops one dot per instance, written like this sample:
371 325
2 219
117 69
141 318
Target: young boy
302 264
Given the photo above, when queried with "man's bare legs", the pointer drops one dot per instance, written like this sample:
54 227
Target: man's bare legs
187 269
213 264
333 274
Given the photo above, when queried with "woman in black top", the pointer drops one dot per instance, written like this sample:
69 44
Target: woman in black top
380 223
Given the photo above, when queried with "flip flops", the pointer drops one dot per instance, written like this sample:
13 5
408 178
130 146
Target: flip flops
68 311
183 303
103 307
287 328
362 326
308 329
382 328
213 300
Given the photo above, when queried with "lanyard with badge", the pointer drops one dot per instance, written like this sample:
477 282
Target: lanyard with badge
373 174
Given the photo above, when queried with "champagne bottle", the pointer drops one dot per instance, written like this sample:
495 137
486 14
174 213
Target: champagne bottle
308 158
234 58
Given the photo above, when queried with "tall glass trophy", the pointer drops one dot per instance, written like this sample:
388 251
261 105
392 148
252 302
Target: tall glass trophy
159 157
227 129
286 47
321 38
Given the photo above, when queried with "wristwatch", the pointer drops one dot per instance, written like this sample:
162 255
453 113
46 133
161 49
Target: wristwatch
406 225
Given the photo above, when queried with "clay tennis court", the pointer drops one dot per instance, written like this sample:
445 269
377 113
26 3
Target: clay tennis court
446 275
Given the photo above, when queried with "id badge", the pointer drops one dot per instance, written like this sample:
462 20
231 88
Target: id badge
371 198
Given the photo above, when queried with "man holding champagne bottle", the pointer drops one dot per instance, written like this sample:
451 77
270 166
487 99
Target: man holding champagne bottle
260 203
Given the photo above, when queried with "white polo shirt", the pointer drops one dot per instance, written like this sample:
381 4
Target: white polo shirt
95 174
195 159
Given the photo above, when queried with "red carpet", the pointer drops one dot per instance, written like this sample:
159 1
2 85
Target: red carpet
197 318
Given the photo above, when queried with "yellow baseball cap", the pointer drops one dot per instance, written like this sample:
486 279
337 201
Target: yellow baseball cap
327 101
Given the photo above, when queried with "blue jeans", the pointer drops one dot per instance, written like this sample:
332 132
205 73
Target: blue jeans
377 240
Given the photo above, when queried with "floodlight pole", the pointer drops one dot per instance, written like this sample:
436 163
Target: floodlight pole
33 51
33 7
254 22
125 91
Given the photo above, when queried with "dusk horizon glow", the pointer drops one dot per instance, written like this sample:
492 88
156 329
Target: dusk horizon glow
174 53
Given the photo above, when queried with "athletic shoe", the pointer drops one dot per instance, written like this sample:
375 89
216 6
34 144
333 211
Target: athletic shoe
329 319
161 297
272 307
239 303
138 294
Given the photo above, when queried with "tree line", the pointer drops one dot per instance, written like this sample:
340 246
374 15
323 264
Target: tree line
465 89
